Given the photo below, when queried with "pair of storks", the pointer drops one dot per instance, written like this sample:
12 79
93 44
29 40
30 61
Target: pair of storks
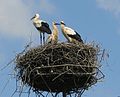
43 27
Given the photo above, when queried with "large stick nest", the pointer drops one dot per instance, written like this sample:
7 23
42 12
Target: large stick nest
63 67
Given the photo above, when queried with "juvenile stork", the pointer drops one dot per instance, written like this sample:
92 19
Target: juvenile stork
41 26
53 38
70 34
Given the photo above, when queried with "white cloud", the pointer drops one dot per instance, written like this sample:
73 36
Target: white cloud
41 6
112 6
46 6
15 16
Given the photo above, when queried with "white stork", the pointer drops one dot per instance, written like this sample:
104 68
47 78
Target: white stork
41 26
53 38
70 34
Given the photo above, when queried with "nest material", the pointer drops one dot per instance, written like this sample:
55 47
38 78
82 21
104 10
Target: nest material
63 67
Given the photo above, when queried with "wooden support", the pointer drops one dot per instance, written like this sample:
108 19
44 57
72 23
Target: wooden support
64 94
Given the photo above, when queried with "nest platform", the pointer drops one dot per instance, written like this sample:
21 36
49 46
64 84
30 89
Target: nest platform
63 67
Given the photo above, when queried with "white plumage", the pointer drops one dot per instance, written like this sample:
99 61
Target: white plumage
41 26
70 34
69 31
53 38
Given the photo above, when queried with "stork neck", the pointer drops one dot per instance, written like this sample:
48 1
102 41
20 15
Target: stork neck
36 19
55 29
62 26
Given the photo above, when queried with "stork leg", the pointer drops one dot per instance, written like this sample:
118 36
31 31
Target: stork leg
40 38
43 37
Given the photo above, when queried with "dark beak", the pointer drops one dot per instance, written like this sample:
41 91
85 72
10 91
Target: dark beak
57 24
62 23
32 18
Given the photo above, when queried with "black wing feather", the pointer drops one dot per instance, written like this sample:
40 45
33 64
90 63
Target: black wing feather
45 27
45 24
76 36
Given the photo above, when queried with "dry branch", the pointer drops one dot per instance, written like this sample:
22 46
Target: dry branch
64 67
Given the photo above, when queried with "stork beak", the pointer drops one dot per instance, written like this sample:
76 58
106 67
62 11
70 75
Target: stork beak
62 23
57 24
32 18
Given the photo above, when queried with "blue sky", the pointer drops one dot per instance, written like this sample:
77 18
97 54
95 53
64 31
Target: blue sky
94 20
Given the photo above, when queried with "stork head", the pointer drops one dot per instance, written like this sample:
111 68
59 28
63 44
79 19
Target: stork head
62 22
54 23
36 16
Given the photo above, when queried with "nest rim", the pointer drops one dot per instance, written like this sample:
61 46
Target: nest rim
51 68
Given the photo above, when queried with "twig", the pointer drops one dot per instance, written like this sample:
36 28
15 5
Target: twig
13 60
8 64
59 75
47 85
